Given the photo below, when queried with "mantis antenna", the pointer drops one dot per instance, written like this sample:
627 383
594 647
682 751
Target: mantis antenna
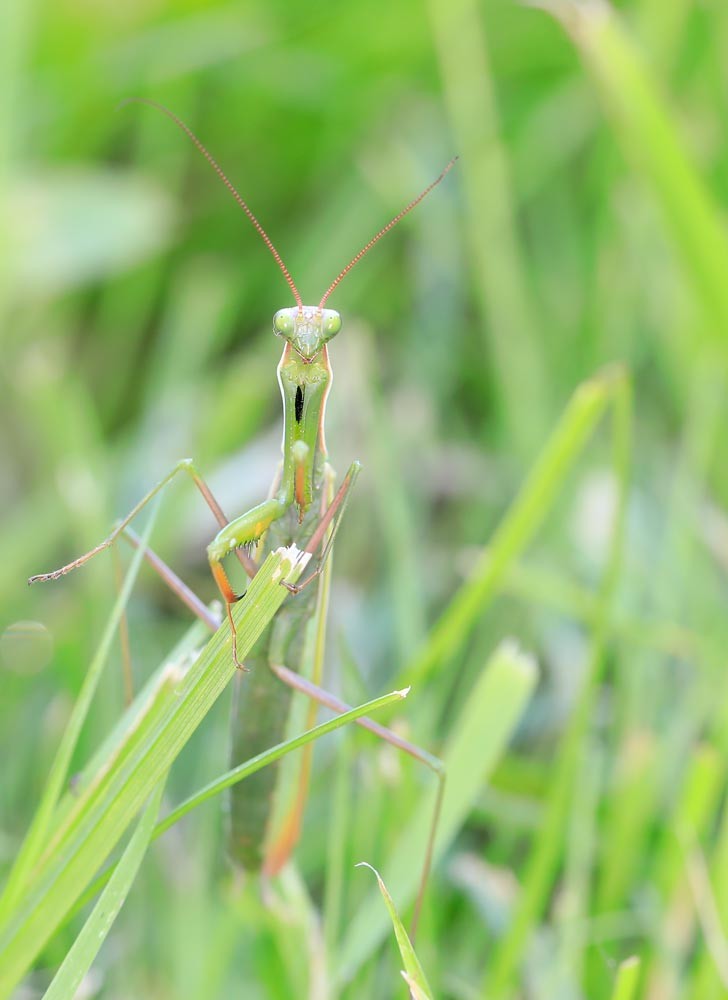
228 184
385 229
264 236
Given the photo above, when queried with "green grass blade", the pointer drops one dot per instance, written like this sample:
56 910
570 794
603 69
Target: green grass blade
480 735
709 979
37 835
86 946
644 124
248 767
626 828
519 525
242 771
137 720
413 971
543 862
109 812
92 787
508 318
702 789
628 974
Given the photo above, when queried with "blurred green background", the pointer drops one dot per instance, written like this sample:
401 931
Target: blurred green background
583 225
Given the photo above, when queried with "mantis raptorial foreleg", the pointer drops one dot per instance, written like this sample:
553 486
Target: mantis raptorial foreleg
330 519
327 528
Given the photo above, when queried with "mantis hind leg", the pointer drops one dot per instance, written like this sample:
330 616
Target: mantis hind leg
122 529
230 538
279 851
175 583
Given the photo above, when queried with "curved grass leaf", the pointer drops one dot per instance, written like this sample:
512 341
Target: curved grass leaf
414 974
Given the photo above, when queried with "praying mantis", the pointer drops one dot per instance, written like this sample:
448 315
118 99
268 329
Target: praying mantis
304 508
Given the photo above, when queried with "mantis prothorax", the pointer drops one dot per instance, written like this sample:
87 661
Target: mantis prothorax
304 509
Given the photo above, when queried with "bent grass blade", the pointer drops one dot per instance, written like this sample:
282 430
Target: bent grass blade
413 973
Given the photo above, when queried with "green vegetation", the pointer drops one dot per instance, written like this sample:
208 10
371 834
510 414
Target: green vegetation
532 370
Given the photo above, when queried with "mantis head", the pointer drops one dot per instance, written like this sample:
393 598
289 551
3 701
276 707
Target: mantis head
306 328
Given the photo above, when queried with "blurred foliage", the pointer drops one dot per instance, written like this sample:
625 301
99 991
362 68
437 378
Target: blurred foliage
583 225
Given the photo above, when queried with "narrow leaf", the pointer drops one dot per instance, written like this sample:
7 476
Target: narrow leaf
86 946
480 734
625 985
37 834
129 784
413 972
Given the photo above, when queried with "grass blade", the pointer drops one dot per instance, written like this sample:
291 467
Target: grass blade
413 973
628 974
248 767
37 835
480 734
86 946
520 524
643 123
110 811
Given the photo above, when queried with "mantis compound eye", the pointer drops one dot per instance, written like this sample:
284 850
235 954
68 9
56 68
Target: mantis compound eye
331 324
283 323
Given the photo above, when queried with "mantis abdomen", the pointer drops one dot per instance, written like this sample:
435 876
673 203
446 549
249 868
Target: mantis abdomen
261 703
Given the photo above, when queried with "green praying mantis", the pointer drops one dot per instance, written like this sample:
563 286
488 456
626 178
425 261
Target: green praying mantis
305 509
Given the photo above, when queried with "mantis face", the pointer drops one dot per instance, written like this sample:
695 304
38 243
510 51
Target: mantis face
306 329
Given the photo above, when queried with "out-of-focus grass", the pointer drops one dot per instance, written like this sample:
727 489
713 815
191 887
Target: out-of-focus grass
585 225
